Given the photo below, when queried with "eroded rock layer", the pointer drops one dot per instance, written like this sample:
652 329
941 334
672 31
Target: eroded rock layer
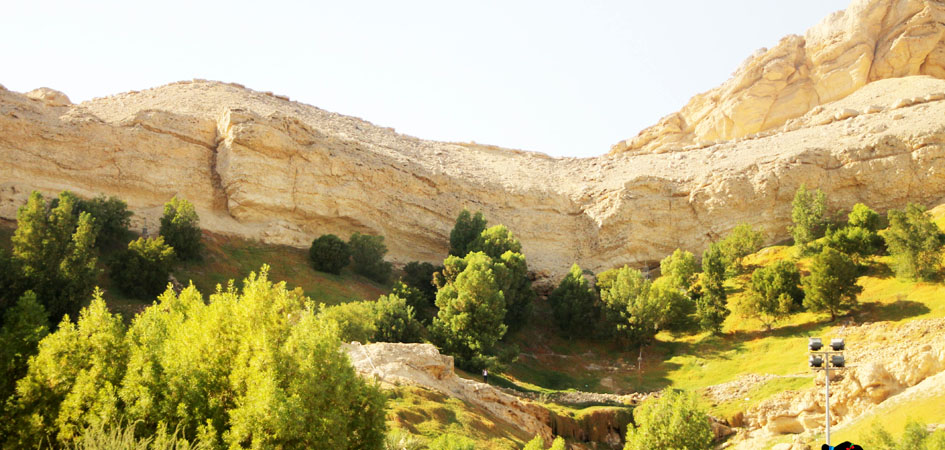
264 167
872 40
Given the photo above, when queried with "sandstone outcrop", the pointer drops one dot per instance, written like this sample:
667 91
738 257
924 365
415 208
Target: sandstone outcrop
888 361
872 40
422 365
266 168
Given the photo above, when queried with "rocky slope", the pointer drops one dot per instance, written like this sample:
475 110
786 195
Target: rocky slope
262 166
872 40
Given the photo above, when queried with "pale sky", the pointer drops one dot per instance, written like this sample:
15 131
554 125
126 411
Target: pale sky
563 78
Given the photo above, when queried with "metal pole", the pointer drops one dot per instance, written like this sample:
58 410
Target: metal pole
827 399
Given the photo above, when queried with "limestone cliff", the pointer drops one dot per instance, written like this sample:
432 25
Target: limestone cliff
264 167
872 40
267 168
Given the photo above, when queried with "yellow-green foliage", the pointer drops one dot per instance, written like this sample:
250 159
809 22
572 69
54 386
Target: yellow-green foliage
253 367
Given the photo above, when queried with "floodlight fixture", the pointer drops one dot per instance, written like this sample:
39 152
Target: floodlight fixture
815 344
816 361
837 344
836 360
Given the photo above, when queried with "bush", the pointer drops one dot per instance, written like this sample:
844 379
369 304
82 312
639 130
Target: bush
420 276
451 441
142 270
680 268
424 311
831 286
250 368
574 304
672 421
355 321
395 321
915 436
367 256
471 314
466 230
54 252
180 227
112 219
633 309
863 217
808 213
24 326
915 242
858 242
329 253
537 443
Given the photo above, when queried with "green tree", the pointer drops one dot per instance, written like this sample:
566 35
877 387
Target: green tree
674 421
680 268
635 309
537 443
495 241
329 253
9 281
112 218
72 381
415 299
710 297
420 276
831 286
512 275
180 227
863 217
451 441
367 256
467 229
471 313
54 251
739 243
773 292
858 242
24 325
914 241
808 213
396 321
142 270
574 304
253 367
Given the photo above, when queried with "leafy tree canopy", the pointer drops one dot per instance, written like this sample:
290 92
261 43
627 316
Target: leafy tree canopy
467 229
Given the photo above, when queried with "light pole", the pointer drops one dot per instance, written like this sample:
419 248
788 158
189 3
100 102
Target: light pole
823 360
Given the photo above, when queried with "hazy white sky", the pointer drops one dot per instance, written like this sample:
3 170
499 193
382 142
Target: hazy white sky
564 78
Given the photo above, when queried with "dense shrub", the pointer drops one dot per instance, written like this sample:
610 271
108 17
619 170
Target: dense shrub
142 270
112 219
416 300
863 216
467 229
451 441
471 311
574 304
915 242
680 268
24 325
367 256
915 436
673 421
420 276
808 213
329 253
53 250
857 242
355 321
395 320
180 228
251 368
831 286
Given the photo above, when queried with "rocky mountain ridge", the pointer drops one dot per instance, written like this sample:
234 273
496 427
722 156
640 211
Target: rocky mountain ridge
261 166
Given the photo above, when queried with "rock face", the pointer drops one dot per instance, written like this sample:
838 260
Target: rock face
886 362
872 40
267 168
261 166
422 365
